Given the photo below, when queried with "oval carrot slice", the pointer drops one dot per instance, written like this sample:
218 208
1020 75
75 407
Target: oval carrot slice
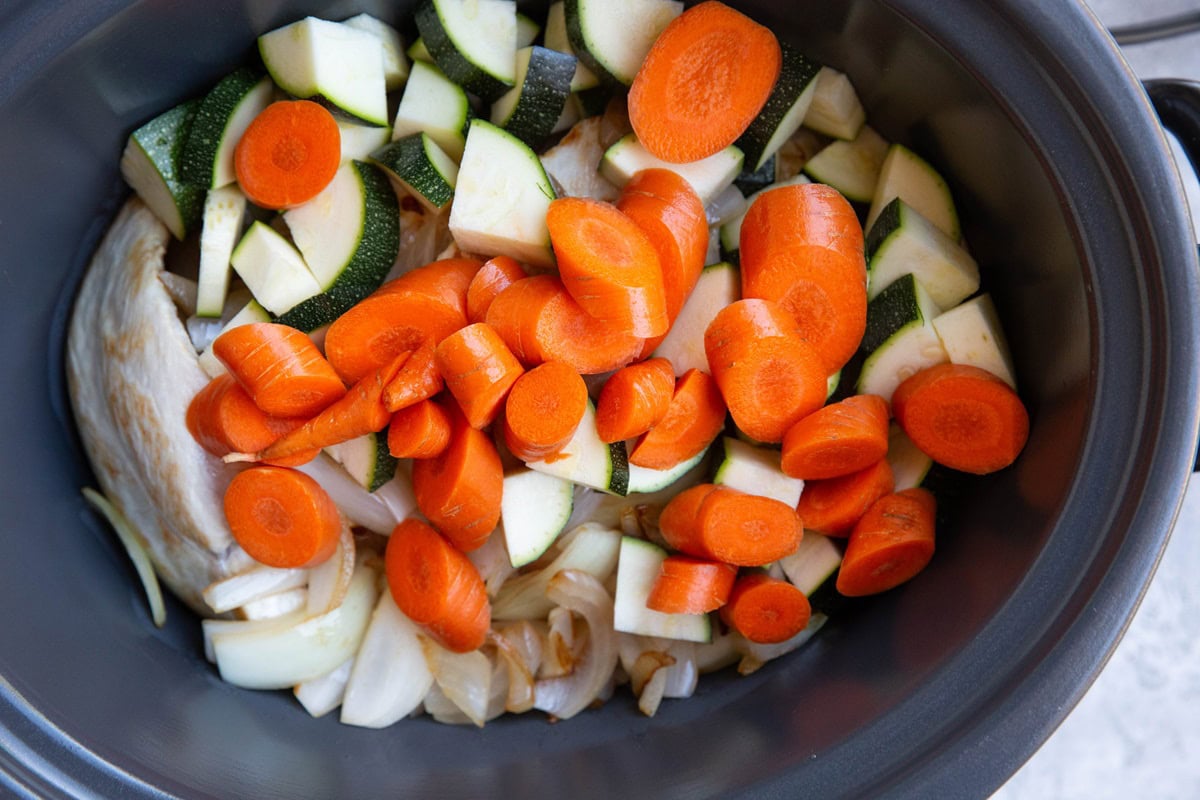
705 79
962 417
766 610
671 214
832 506
634 399
281 517
892 542
288 154
543 410
280 367
727 525
608 265
427 304
459 489
421 430
803 248
695 417
687 585
492 278
223 418
437 587
540 321
417 380
838 439
769 376
478 369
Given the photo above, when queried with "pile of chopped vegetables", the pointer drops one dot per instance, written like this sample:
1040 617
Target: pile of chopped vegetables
618 387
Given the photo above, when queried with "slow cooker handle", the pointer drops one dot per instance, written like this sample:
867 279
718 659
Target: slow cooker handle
1178 105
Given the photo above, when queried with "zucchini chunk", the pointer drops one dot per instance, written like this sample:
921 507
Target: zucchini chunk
556 39
971 334
851 167
273 270
589 461
501 198
638 567
395 63
336 64
473 41
755 470
532 109
221 119
150 165
421 167
612 37
349 235
909 465
903 241
835 110
366 459
708 176
359 141
718 286
908 176
900 337
534 510
224 217
436 105
784 111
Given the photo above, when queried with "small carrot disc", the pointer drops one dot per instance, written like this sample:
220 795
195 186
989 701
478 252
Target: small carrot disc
766 610
281 517
288 154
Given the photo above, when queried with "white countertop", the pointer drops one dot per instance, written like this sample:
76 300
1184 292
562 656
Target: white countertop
1136 733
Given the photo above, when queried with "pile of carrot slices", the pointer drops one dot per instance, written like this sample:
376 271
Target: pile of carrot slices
469 362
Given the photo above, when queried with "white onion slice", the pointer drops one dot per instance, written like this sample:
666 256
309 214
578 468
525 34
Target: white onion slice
527 641
493 562
203 330
464 678
683 676
651 694
519 684
584 595
592 549
719 653
245 587
273 606
323 694
391 675
559 656
281 653
755 655
379 511
725 206
136 551
329 580
181 290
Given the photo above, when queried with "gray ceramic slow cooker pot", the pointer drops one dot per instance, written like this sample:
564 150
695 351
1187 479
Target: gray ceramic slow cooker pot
941 689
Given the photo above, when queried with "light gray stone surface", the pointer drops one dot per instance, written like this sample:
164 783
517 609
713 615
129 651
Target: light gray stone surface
1136 733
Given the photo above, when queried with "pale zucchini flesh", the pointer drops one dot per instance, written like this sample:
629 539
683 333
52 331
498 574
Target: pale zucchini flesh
224 215
150 165
903 241
273 270
435 105
835 109
851 167
708 176
473 41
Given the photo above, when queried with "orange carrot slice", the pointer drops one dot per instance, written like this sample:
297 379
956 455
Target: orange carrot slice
892 542
543 410
769 376
634 399
608 265
459 489
478 369
687 585
281 517
417 380
838 439
693 420
832 506
288 154
962 417
766 610
703 82
437 587
802 247
280 367
727 525
540 321
421 430
492 278
222 418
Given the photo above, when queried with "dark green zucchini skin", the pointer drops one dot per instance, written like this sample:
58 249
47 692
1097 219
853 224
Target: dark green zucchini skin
446 55
795 75
543 95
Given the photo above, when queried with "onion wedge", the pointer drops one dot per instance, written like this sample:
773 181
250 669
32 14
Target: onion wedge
391 675
584 595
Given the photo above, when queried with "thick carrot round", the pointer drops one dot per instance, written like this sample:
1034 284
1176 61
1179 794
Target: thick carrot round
766 610
962 417
727 525
668 210
832 506
492 278
417 380
280 367
703 82
802 247
540 321
421 430
769 376
892 542
459 489
427 304
437 587
695 417
222 418
358 412
478 369
543 410
634 399
288 154
608 265
687 585
281 517
837 439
